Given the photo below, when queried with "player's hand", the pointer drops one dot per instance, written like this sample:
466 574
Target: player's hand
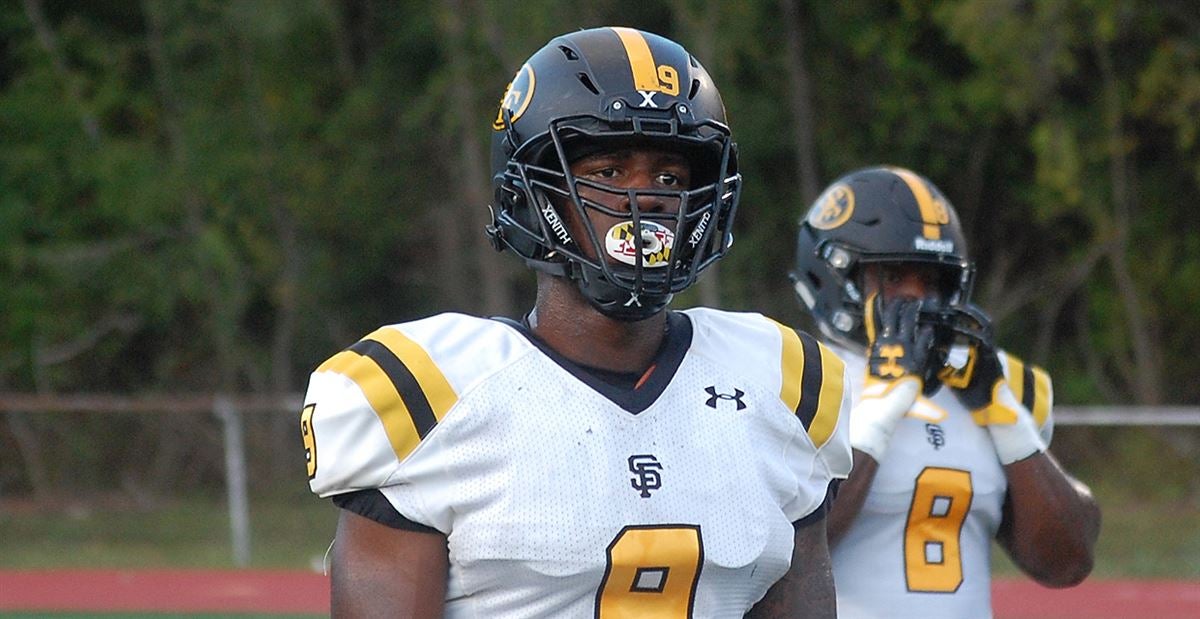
897 354
981 386
898 345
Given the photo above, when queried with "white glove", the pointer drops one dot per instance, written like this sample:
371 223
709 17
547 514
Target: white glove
874 418
1013 430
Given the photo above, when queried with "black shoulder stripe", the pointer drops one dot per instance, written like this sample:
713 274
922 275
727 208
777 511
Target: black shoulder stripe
1028 387
403 380
810 380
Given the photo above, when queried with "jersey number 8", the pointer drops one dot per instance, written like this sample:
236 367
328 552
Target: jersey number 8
932 559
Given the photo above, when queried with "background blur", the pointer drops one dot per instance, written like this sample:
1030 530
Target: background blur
203 197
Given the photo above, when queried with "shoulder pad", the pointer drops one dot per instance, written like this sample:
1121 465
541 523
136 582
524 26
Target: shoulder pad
412 373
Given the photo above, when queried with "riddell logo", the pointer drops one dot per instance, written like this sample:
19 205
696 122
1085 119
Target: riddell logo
944 246
556 224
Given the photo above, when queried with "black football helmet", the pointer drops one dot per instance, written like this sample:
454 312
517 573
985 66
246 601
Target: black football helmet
594 90
881 215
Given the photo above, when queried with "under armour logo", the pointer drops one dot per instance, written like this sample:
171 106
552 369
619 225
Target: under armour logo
647 98
736 396
646 469
935 435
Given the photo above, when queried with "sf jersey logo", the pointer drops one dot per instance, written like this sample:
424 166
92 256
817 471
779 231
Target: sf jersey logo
646 477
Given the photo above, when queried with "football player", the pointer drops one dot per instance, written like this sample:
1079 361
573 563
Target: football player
603 456
949 433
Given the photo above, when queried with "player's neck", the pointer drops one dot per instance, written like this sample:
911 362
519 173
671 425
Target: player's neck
565 321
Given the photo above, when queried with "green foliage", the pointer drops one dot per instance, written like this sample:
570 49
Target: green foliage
204 195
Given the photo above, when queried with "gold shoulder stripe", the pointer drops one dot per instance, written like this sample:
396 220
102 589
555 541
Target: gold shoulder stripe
433 383
792 366
930 213
338 363
1041 396
1016 379
382 395
1031 385
641 60
832 391
812 383
404 387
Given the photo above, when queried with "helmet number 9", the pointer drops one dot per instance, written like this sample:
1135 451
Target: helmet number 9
652 571
932 552
668 79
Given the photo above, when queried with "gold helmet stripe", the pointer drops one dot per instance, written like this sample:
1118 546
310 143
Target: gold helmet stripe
931 214
641 61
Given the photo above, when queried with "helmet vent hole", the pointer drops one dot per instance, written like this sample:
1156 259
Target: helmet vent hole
568 52
813 279
694 90
587 83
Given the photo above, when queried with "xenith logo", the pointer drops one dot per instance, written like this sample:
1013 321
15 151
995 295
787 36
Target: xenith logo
645 468
556 223
698 233
736 396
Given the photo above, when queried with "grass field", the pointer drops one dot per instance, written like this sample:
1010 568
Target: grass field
286 533
1140 538
1149 496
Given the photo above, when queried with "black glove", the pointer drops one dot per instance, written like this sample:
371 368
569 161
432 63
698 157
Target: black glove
898 344
975 382
982 387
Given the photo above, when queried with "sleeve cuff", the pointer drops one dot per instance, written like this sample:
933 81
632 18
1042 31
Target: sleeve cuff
819 513
372 504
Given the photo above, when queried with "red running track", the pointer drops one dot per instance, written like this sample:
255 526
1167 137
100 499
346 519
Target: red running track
209 591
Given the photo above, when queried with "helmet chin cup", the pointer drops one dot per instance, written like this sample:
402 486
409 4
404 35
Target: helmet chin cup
614 301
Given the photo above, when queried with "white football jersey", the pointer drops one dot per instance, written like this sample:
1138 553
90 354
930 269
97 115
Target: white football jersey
562 496
921 546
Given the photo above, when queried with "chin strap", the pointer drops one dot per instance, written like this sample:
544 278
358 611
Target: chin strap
608 299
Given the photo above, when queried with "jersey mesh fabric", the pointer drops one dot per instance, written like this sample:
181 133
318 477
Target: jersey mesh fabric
532 474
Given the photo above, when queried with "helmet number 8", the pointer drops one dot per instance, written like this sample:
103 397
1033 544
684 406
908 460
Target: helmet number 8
932 559
652 571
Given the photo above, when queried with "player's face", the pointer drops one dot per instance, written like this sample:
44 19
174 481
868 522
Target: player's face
623 169
911 280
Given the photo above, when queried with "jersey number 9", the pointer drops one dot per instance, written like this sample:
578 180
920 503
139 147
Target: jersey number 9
652 571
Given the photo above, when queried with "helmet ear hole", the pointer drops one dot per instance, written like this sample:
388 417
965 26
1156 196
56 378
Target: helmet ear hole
518 223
